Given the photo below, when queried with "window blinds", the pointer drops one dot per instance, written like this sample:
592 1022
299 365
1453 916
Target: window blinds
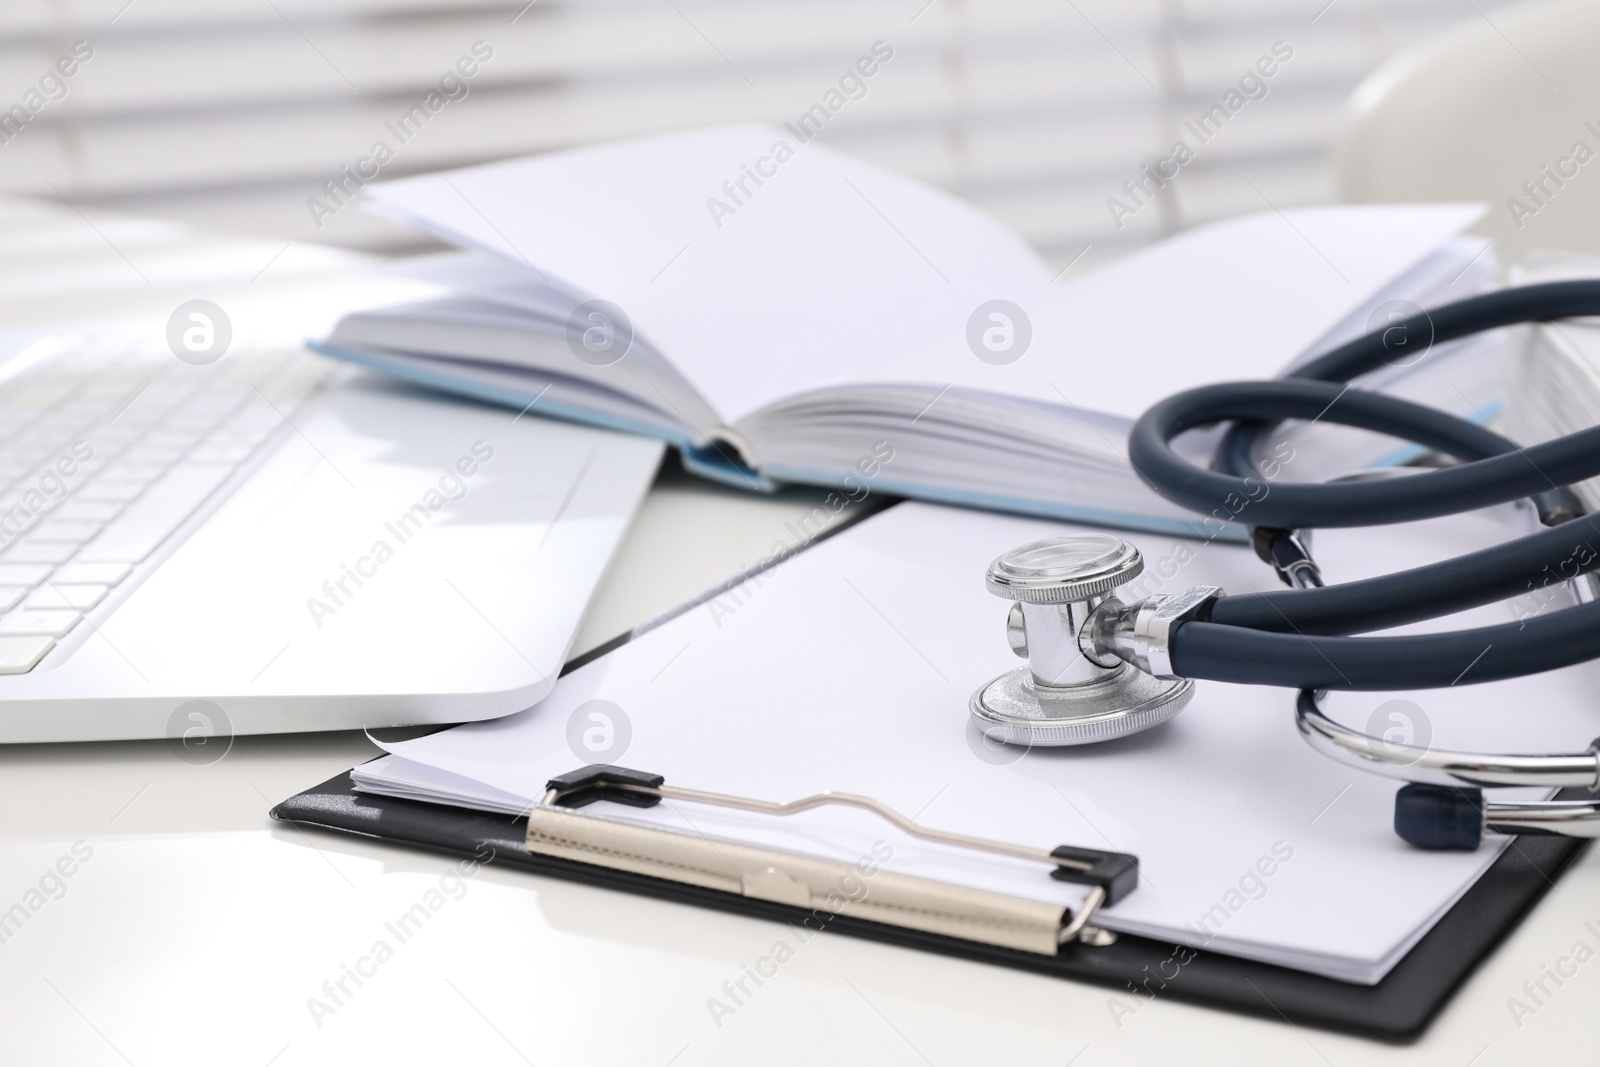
1061 117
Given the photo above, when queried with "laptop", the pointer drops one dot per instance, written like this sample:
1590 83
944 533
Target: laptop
276 542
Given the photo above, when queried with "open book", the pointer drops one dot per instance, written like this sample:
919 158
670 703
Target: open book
848 666
780 312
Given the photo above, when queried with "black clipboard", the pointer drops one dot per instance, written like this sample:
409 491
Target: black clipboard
1398 1008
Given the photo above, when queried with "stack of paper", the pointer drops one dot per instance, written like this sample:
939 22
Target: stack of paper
1557 388
849 667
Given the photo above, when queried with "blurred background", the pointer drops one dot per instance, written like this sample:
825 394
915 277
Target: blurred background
232 114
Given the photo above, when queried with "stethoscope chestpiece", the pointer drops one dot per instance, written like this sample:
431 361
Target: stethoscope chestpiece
1071 692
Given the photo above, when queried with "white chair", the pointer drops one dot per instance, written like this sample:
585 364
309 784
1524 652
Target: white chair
1506 112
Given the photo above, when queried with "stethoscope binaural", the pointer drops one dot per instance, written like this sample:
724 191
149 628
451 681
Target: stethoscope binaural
1099 668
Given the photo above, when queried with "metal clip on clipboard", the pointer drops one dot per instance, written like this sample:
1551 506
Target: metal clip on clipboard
556 828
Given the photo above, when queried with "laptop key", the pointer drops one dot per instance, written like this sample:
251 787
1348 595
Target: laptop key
109 490
28 574
134 534
58 595
11 595
88 511
39 552
83 573
41 623
19 654
55 529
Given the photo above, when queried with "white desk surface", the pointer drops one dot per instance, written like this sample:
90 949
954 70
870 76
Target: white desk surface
197 931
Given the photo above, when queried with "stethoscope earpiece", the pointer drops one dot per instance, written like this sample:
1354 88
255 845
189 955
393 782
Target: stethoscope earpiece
1442 805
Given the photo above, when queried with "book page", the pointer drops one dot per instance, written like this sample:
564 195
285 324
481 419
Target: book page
761 265
764 267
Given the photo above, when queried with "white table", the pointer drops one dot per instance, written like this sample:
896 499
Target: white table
197 931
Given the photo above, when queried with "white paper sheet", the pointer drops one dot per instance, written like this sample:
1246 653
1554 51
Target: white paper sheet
849 667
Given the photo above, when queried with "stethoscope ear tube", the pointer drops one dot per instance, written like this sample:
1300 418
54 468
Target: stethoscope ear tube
1302 637
1442 806
1438 766
1488 311
1248 656
1486 478
1434 590
1495 469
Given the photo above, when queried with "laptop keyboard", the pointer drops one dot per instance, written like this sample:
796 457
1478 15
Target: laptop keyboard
105 449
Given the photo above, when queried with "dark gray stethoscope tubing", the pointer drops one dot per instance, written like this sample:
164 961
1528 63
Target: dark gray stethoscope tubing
1490 311
1513 569
1529 303
1476 484
1237 643
1423 661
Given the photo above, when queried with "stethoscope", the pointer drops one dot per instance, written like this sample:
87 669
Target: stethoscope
1099 668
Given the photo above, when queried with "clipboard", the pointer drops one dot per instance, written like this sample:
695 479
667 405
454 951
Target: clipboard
556 838
1398 1008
